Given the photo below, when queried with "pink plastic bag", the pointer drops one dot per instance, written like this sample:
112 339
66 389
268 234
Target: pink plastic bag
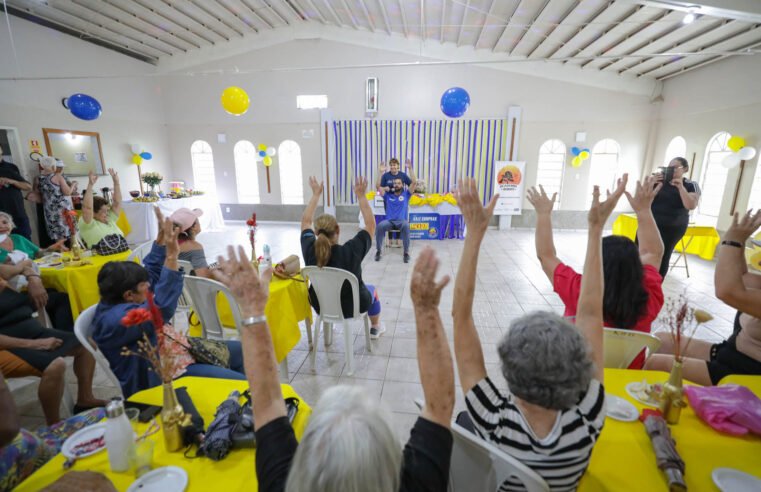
730 408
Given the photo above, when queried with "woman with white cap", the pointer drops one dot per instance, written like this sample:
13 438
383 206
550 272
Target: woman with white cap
190 249
55 198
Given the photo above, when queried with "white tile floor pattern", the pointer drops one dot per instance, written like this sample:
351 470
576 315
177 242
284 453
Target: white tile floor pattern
509 283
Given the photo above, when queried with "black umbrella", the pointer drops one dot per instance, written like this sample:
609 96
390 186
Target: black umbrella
666 456
218 440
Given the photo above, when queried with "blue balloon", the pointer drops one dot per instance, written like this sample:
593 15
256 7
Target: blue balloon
262 153
454 102
575 150
585 150
83 106
147 156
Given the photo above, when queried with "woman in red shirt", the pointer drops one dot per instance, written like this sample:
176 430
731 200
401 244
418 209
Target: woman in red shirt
633 293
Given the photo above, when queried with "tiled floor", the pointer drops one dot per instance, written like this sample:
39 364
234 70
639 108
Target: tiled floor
509 283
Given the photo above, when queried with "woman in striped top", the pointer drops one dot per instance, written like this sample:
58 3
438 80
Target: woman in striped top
553 411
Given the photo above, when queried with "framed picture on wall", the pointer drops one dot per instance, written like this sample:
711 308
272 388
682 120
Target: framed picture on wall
81 152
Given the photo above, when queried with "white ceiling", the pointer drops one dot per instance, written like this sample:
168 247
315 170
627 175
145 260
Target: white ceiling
630 37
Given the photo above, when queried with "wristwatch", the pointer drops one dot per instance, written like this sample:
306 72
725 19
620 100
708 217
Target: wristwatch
252 320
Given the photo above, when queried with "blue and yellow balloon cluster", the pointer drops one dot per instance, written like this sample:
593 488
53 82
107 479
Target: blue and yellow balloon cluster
138 155
580 155
739 152
264 154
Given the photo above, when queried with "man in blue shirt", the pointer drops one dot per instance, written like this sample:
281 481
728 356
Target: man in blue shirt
396 204
386 176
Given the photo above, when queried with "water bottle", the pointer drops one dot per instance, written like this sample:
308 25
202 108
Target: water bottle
266 260
119 436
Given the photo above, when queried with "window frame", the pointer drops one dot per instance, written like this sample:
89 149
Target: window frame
551 145
282 171
199 179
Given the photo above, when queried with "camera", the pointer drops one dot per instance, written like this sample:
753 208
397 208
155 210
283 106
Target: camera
668 173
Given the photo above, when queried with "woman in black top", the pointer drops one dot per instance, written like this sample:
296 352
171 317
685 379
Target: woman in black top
671 208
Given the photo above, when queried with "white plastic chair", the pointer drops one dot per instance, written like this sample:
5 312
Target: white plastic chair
479 465
83 329
203 296
621 347
327 283
140 252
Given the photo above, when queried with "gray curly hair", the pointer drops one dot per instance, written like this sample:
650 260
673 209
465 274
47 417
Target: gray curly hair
546 361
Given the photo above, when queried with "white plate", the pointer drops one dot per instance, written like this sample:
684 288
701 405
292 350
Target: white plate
83 435
166 479
630 390
620 409
731 480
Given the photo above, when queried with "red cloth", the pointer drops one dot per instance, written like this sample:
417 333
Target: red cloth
567 284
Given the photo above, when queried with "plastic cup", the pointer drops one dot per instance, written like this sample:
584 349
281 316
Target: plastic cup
132 414
141 458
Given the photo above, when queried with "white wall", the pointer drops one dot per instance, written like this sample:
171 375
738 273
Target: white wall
697 105
132 101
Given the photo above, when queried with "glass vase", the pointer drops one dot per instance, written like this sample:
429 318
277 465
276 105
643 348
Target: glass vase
672 398
172 419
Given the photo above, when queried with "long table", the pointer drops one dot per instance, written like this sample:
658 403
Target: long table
441 222
700 240
623 458
142 218
236 472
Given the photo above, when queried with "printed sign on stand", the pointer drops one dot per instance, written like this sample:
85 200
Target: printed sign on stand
424 226
509 185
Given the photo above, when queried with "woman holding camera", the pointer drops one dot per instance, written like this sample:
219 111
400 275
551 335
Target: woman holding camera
672 205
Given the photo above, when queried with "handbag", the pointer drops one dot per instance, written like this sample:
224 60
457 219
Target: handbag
288 268
111 245
205 351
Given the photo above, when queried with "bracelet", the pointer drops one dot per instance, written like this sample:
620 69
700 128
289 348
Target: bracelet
254 320
732 243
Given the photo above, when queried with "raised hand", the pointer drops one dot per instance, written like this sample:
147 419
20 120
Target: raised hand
160 222
360 186
424 289
169 234
92 178
540 201
600 211
644 194
315 185
408 164
476 216
743 227
382 168
249 289
114 175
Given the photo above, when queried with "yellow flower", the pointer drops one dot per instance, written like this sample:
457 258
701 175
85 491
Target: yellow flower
370 195
416 201
702 316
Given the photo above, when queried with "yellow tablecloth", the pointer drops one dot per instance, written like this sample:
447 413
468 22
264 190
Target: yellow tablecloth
752 382
81 283
703 240
236 472
623 458
288 304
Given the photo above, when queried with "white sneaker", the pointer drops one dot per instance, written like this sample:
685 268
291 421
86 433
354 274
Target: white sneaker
376 332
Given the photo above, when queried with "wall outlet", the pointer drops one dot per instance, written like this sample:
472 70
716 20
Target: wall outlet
227 210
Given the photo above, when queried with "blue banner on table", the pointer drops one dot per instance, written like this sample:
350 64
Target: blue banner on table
424 226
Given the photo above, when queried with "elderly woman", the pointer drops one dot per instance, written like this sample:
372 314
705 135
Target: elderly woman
633 291
56 199
707 363
124 286
553 410
190 249
98 219
321 248
18 250
349 444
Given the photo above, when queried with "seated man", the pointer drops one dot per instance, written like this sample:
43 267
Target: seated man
28 349
396 218
386 176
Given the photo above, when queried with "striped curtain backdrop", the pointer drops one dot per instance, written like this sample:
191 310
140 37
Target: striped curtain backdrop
441 151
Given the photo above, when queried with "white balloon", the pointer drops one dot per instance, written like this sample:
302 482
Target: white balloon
730 161
135 148
258 157
746 153
270 151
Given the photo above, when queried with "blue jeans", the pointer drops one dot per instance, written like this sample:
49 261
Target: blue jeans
236 370
386 225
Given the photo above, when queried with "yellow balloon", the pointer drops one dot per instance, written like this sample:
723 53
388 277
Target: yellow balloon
262 147
576 162
267 161
584 155
735 143
235 100
136 159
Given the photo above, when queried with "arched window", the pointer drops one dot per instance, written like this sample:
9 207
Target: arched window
676 148
604 168
246 175
202 160
755 191
289 162
550 167
713 178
